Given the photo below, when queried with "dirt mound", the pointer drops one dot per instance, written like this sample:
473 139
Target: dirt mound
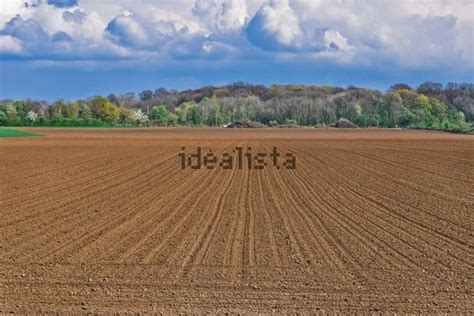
343 123
246 124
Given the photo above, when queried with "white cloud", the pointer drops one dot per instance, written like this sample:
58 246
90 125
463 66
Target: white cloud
10 8
221 16
424 33
10 45
410 34
126 31
276 26
335 41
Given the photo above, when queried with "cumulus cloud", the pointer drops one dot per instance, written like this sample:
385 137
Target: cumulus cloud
405 33
125 30
335 41
29 30
10 45
221 16
61 37
76 16
48 32
424 38
275 26
425 33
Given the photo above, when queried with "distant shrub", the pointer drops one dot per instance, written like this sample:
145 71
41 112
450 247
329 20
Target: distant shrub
291 122
273 123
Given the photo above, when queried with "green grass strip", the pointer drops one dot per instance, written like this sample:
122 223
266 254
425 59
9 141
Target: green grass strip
13 132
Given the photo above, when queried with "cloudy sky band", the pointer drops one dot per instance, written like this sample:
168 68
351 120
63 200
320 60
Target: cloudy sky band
173 43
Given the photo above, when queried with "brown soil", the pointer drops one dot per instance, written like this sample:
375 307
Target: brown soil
105 220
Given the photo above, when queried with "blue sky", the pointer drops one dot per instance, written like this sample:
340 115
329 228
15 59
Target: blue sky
79 48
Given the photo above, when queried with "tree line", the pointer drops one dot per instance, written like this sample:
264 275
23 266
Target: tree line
429 106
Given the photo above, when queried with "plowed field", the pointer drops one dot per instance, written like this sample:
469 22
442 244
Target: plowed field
106 220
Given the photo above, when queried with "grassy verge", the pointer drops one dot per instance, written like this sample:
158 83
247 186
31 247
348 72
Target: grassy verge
12 132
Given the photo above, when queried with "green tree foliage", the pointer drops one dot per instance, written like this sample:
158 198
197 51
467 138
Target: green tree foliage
430 106
11 114
105 110
72 111
110 113
423 102
161 116
438 109
193 115
3 118
85 112
126 116
181 115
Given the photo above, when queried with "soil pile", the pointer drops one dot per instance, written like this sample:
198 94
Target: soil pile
344 123
246 124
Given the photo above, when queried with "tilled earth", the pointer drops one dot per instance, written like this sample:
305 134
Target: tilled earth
106 220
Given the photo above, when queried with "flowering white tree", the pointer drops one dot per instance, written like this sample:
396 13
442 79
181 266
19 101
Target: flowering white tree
11 111
140 117
32 116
